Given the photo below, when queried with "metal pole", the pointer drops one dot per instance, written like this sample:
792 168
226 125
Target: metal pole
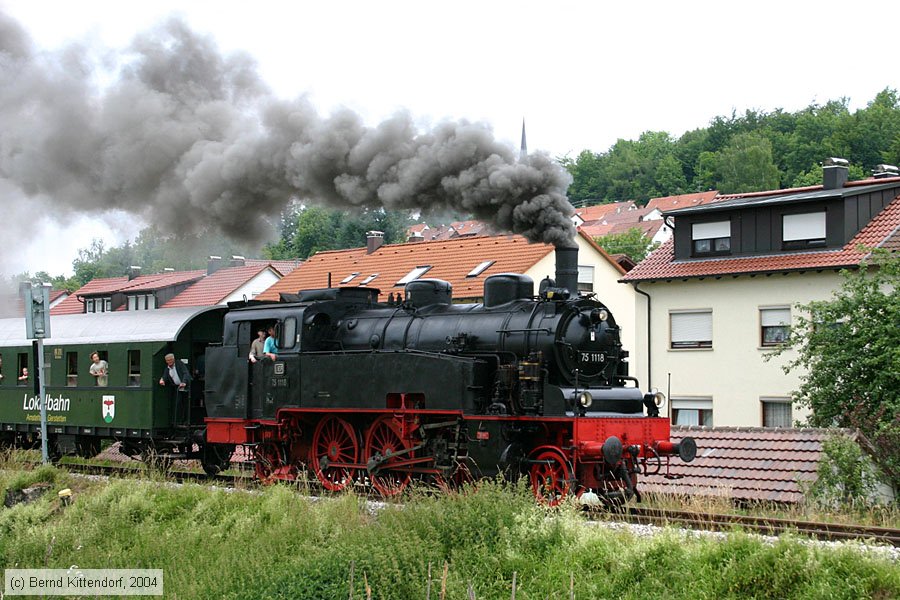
39 350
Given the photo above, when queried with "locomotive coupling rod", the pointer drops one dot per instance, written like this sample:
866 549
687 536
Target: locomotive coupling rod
376 461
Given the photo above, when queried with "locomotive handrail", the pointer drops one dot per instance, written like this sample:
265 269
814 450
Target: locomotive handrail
537 329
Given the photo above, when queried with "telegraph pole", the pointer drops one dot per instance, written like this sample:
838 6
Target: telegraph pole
37 327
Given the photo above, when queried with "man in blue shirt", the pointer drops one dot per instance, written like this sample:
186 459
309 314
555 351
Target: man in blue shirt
271 344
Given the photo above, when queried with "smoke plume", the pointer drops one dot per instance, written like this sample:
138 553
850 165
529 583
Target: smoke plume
188 138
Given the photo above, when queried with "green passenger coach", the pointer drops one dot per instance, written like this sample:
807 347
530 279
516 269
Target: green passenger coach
132 407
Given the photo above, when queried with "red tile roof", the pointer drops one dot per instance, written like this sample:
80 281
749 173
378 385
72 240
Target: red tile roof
212 289
602 211
450 260
282 266
746 463
682 200
882 230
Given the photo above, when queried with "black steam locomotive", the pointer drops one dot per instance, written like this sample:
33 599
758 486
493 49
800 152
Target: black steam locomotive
370 393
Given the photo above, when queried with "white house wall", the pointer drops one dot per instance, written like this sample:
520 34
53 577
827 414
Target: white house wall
733 372
256 286
617 297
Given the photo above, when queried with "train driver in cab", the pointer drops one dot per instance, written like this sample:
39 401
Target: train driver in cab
271 345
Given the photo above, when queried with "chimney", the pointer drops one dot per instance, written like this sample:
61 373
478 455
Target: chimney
133 271
885 171
835 172
415 236
567 269
214 264
237 261
374 241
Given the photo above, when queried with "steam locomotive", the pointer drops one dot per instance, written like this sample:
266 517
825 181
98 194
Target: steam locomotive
419 388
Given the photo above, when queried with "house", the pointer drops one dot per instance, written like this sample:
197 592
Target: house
465 262
717 298
222 282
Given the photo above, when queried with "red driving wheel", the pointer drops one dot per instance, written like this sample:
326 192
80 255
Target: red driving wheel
382 441
334 441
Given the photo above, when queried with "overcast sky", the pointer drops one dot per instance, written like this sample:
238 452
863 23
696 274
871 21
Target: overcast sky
582 74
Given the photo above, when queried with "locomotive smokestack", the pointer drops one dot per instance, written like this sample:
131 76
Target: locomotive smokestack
567 268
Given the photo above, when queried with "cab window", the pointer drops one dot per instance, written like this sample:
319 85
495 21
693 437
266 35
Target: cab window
23 376
287 334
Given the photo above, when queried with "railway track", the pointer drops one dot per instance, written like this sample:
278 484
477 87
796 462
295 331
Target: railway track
761 525
771 526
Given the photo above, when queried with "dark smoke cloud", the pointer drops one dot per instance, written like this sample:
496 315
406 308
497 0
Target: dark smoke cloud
188 138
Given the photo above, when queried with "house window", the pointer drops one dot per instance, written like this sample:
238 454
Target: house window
775 325
414 274
711 238
132 302
481 268
691 329
805 230
134 368
368 279
71 369
97 305
585 278
349 277
776 412
692 411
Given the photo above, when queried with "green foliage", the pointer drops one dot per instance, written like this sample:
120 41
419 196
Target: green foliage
632 243
849 350
745 164
306 230
742 153
276 544
845 475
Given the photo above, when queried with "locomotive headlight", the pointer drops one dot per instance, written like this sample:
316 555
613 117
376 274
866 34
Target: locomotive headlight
585 399
659 399
598 315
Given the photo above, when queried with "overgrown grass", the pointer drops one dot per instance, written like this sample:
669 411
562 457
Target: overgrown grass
278 544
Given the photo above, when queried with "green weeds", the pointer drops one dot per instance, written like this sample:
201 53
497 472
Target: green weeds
278 544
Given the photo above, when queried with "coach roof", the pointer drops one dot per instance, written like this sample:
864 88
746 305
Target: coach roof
161 325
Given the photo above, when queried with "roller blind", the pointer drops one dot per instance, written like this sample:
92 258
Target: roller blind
705 231
691 327
585 274
773 317
808 226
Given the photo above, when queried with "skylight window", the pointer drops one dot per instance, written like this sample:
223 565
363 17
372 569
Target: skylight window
481 268
414 274
368 279
349 277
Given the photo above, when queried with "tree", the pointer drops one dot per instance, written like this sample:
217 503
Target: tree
746 165
632 243
849 350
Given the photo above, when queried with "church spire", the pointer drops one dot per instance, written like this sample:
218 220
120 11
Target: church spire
523 150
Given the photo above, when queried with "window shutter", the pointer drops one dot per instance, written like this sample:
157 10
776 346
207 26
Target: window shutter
692 327
808 226
705 231
774 317
585 274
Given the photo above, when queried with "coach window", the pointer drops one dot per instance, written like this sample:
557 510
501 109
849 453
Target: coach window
22 368
691 329
134 368
2 378
71 369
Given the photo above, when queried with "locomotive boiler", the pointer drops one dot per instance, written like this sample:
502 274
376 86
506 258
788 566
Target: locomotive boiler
530 382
